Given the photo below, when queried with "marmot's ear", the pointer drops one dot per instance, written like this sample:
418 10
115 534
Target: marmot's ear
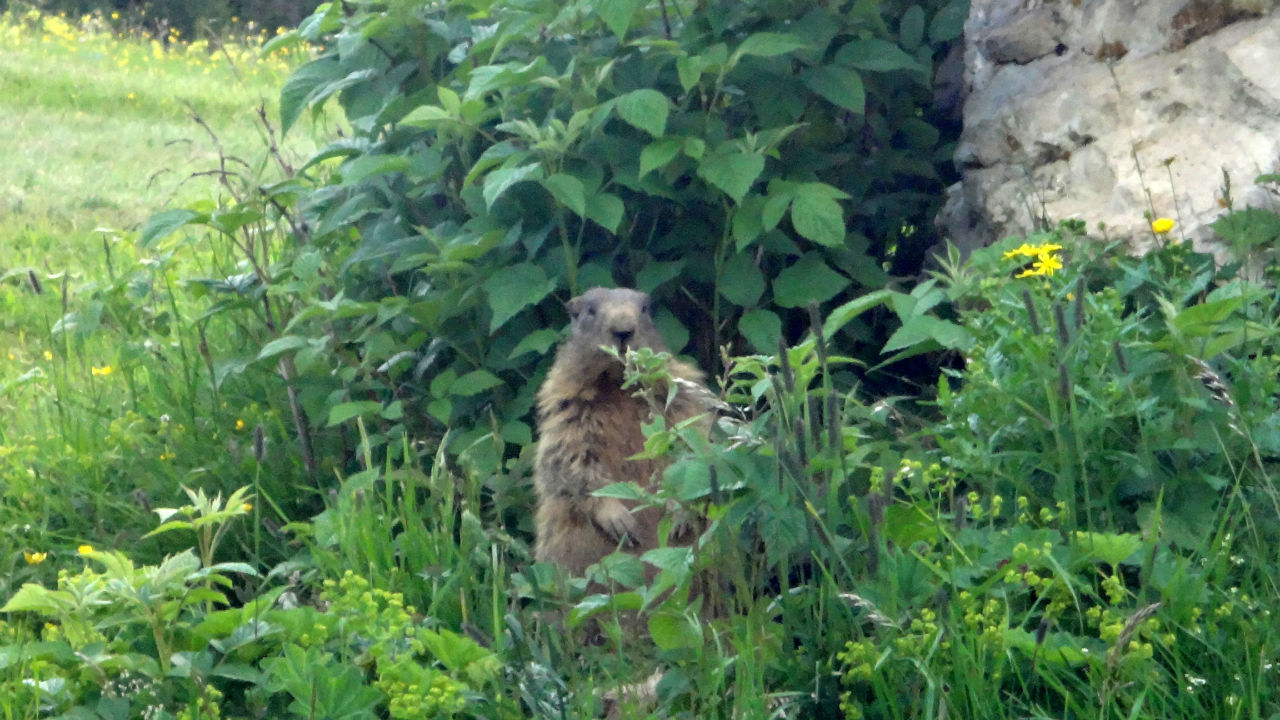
574 306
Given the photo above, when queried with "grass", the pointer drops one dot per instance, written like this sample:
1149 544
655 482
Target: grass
96 383
940 565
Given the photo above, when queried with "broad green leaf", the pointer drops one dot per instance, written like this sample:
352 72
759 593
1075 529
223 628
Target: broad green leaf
498 181
911 28
673 631
875 55
617 14
645 109
427 116
840 85
732 172
474 383
366 166
605 210
817 216
1110 548
538 341
689 70
36 598
810 279
948 23
923 328
515 288
163 224
769 44
741 282
282 345
656 273
343 412
843 315
1248 228
746 222
1207 318
568 191
762 329
300 85
658 153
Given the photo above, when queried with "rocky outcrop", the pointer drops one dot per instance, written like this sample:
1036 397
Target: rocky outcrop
1112 110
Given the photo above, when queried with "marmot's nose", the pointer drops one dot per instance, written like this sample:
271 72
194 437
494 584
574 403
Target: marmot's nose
623 335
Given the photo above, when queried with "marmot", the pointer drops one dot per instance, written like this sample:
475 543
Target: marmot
588 427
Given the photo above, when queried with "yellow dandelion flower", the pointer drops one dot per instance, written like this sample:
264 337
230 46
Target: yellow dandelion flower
34 558
239 424
1160 226
86 549
101 371
48 355
246 507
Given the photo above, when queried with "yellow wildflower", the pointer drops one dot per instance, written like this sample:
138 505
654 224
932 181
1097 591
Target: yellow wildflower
246 507
102 371
34 558
239 424
1045 264
48 355
85 549
1160 226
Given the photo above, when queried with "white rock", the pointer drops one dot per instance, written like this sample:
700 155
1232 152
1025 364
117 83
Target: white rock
1111 110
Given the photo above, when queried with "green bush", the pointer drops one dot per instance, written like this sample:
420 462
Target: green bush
739 160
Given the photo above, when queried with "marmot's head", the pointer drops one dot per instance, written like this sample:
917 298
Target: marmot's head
619 318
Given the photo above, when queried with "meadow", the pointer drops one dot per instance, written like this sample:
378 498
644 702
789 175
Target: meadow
267 383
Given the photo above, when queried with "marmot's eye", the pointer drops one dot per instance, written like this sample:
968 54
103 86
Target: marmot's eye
647 307
591 311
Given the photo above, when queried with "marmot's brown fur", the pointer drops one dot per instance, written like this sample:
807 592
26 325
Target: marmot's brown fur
589 426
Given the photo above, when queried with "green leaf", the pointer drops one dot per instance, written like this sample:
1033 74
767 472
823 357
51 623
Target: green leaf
732 172
282 345
568 191
923 328
817 216
1249 228
843 315
605 210
645 109
741 282
367 166
842 86
1110 548
674 631
498 181
810 279
948 23
656 273
617 14
35 598
746 222
300 85
515 288
911 27
538 341
165 223
875 55
658 153
762 329
343 412
474 383
770 44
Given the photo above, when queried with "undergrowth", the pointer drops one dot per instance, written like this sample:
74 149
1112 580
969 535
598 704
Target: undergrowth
252 467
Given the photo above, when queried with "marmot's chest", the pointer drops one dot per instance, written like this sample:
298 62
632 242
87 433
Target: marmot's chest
612 421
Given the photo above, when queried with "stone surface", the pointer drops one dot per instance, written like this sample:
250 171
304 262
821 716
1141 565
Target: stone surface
1104 110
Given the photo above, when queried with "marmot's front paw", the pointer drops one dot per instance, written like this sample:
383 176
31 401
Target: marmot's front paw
615 520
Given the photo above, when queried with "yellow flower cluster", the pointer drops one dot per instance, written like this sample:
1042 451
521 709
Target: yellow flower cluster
1046 260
